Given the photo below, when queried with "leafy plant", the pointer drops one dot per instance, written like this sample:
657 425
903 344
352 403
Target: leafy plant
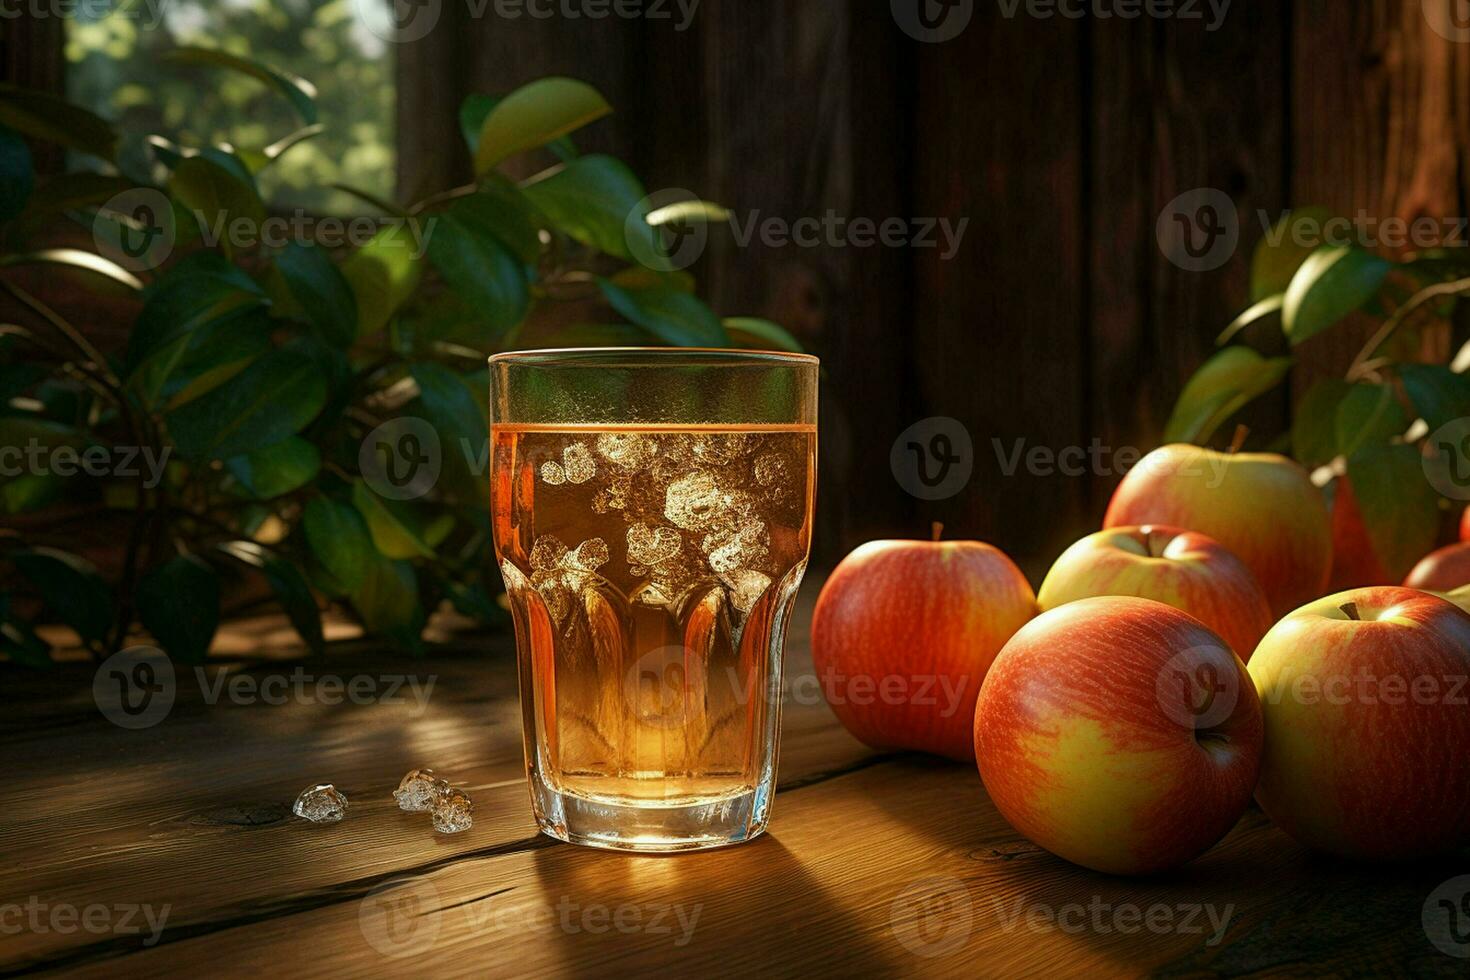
1370 432
258 372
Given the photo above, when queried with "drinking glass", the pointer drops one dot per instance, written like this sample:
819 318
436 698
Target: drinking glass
652 516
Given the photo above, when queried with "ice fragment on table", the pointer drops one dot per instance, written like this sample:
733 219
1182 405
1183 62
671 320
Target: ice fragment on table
553 474
320 804
418 790
625 449
452 812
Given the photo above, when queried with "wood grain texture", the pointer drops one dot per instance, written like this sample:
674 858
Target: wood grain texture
875 865
998 328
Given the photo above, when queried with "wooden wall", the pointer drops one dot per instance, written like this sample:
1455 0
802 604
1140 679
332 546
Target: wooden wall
1060 321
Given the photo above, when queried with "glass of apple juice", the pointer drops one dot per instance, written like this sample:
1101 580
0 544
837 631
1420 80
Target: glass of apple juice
652 515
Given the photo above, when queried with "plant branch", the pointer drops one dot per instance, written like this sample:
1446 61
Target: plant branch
1363 363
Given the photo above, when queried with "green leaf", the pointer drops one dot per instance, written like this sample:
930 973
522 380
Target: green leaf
217 197
1260 311
1227 382
394 528
178 603
671 315
534 115
1314 426
203 289
388 601
339 538
300 93
21 644
481 271
75 258
289 586
17 173
499 209
1400 508
383 275
594 199
274 471
1334 282
323 292
30 492
755 334
1440 395
276 397
449 404
1368 415
70 192
50 118
71 588
1281 253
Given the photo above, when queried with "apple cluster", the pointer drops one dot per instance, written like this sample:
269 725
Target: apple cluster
1173 666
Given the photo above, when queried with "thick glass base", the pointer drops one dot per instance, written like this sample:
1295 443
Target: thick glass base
651 828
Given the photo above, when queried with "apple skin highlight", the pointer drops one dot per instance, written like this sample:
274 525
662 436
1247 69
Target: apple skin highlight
1087 746
1184 569
903 634
1360 762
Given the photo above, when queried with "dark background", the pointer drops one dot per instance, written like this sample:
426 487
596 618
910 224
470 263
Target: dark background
1060 320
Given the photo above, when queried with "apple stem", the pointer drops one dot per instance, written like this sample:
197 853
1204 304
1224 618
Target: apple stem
1352 611
1156 545
938 530
1242 433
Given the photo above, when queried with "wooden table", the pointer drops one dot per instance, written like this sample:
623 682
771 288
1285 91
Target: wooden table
876 864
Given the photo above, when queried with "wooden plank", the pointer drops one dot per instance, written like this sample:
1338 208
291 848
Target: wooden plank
165 814
999 328
894 869
1379 127
1172 113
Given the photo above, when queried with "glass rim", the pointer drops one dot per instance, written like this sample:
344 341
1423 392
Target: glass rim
651 357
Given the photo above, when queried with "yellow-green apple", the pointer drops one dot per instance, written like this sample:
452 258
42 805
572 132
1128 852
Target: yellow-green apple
1367 719
903 633
1120 734
1183 569
1261 506
1460 597
1446 570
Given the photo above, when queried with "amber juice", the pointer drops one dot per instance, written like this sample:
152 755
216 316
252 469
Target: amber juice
651 571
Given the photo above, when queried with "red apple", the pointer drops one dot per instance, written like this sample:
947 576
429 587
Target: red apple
1355 561
1120 734
902 636
1446 570
1465 526
1367 720
1260 506
1183 569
